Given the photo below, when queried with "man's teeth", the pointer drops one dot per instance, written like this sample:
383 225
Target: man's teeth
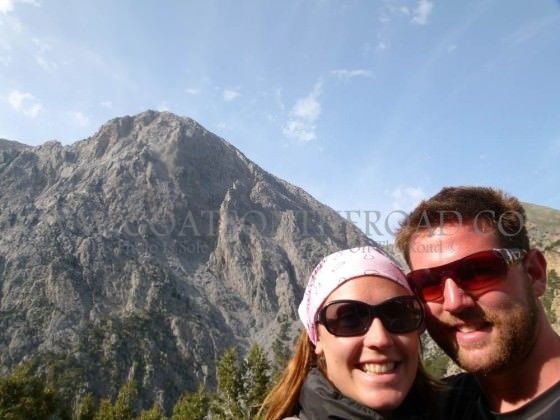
377 368
467 329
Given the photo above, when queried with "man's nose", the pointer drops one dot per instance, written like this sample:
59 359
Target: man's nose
455 298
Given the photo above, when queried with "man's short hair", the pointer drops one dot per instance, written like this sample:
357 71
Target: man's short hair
478 205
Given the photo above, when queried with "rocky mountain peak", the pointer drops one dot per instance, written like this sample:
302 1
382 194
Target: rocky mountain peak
9 144
146 249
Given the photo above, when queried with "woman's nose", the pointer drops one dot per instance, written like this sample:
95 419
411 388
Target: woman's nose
377 335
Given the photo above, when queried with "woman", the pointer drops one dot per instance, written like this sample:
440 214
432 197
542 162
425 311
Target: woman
358 356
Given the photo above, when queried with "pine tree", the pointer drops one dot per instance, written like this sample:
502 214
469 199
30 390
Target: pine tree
105 410
24 396
124 408
553 279
256 380
193 406
86 408
154 413
227 403
280 348
553 284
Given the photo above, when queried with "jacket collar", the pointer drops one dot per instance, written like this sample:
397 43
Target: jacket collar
318 399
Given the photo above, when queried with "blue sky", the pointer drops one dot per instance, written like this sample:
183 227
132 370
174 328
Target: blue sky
368 105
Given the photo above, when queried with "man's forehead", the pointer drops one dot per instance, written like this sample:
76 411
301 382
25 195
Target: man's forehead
479 227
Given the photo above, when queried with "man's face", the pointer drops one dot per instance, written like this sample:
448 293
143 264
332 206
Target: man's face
482 333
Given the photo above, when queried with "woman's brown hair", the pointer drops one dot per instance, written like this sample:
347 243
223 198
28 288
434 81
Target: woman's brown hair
282 400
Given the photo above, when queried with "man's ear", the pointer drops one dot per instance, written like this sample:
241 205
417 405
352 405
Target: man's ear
535 264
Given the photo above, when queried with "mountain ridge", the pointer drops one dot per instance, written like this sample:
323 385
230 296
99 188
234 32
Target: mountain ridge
145 250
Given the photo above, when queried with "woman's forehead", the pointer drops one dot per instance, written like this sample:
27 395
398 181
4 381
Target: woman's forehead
370 289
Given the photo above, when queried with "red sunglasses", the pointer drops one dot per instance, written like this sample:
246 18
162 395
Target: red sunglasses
475 273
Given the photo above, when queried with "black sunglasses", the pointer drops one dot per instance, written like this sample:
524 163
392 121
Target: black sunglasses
350 318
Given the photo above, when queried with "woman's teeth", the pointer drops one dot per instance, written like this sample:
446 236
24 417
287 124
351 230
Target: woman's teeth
378 368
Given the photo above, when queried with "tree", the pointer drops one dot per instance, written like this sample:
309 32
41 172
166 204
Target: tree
124 408
105 411
553 279
227 403
280 348
154 413
24 396
193 406
86 408
549 294
256 380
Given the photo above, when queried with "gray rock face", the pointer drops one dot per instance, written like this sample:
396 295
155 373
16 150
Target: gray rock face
145 250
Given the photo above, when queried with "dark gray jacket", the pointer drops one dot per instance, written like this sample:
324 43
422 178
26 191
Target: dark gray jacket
319 400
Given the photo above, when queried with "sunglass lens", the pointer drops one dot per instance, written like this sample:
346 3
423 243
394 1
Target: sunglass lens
481 272
401 315
347 318
427 282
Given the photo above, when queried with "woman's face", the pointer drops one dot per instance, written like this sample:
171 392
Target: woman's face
378 368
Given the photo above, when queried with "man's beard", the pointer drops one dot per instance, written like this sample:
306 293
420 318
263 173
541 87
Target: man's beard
516 326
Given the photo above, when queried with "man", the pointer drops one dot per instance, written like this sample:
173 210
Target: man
471 263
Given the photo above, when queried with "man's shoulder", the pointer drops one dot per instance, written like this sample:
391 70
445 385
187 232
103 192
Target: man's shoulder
462 383
461 379
544 407
460 397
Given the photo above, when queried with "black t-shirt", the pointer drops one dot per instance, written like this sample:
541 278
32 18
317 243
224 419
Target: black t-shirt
464 400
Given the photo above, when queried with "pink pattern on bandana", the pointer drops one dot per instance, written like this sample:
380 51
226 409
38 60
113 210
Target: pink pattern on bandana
338 268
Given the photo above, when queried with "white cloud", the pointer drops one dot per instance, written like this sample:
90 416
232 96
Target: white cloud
5 60
79 118
230 94
45 64
404 10
422 12
43 48
300 130
192 91
307 108
304 114
106 104
25 103
348 74
163 106
33 110
530 30
6 6
383 19
406 198
9 24
42 44
278 96
392 9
